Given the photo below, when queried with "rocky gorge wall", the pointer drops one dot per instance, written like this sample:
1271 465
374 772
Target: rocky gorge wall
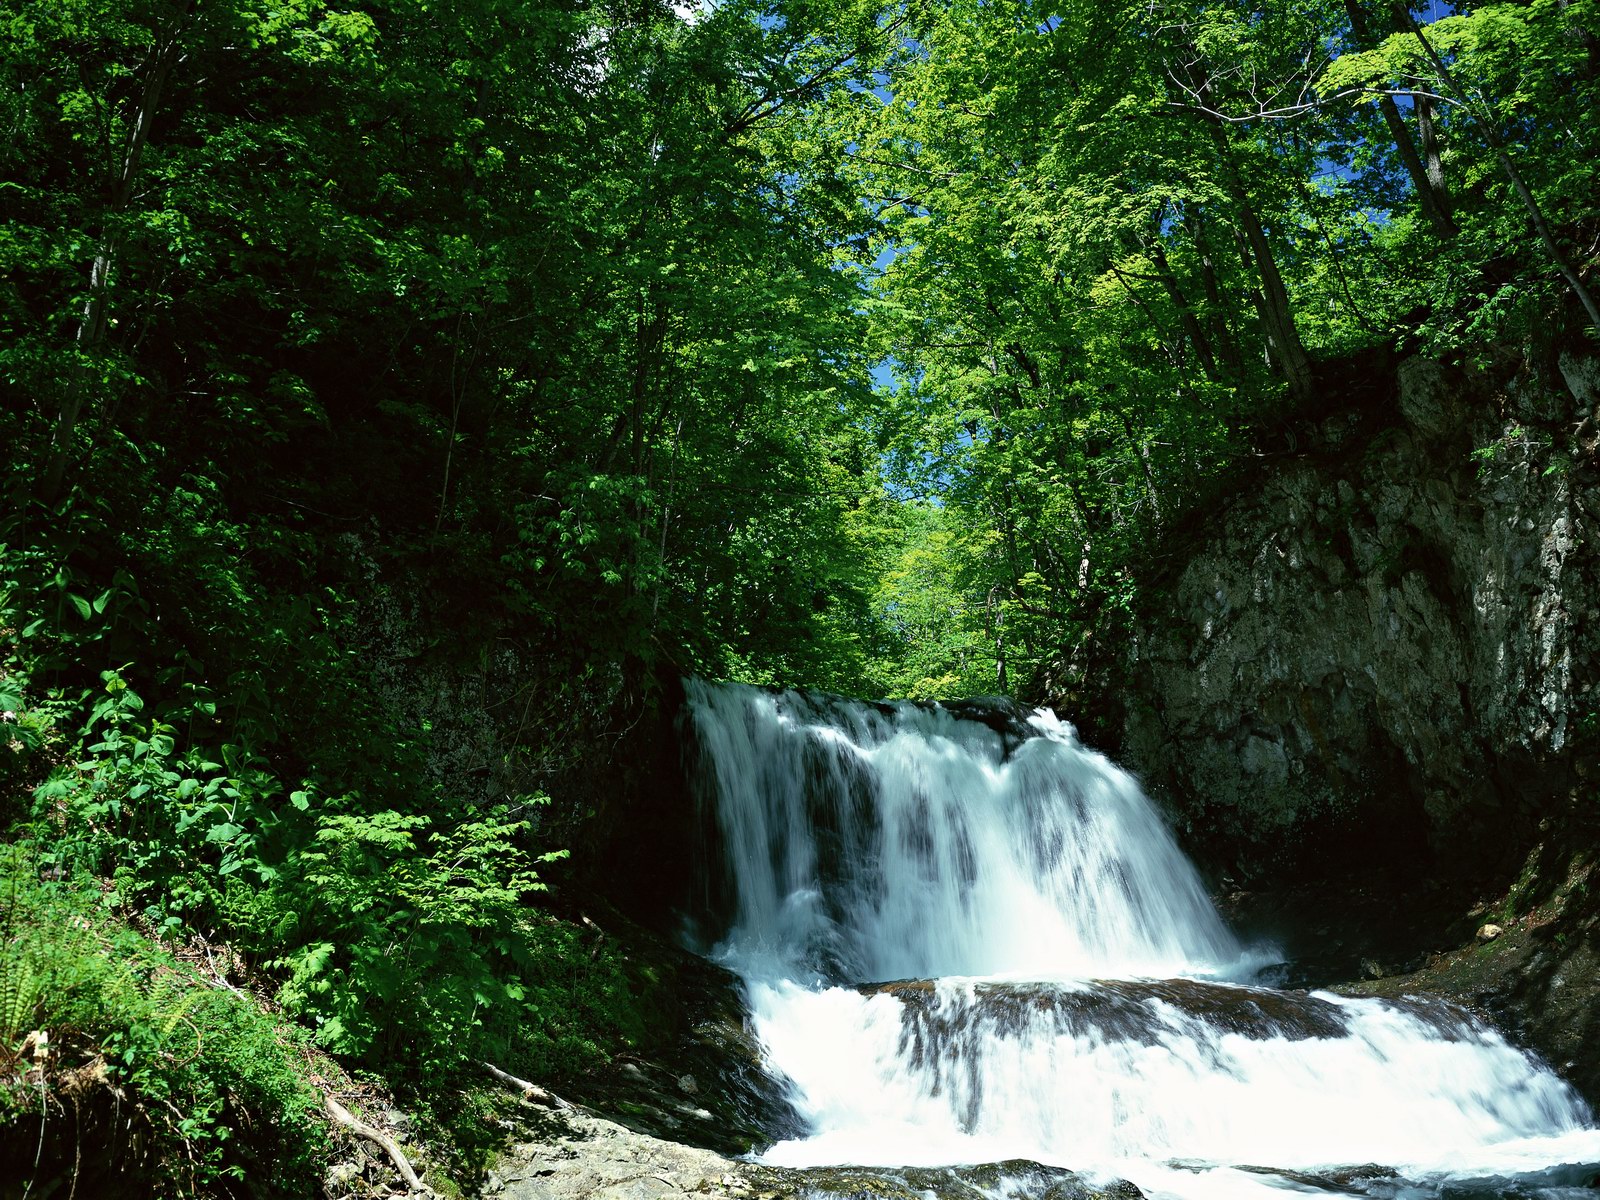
1386 645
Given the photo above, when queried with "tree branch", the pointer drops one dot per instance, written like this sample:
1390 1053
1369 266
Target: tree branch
402 1164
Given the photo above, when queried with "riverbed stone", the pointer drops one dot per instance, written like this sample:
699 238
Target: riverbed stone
578 1155
697 1078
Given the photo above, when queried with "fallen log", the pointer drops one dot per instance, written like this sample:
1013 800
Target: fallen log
530 1091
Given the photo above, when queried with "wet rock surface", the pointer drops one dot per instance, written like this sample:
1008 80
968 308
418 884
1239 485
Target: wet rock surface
699 1080
1131 1010
1567 1182
580 1156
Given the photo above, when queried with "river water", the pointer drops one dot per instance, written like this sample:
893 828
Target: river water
966 938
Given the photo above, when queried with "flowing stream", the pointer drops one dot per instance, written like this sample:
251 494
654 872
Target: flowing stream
965 938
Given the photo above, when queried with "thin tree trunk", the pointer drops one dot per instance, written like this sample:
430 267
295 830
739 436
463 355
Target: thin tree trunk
1585 38
1426 178
1166 342
1309 201
1293 361
1432 160
1191 322
1141 447
95 320
999 617
1226 350
666 521
459 377
1509 168
1283 338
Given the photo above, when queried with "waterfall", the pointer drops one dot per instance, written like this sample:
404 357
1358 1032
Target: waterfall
966 938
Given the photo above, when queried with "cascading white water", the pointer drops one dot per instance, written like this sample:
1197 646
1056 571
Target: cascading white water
1035 894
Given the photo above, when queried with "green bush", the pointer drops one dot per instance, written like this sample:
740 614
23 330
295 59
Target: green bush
408 941
217 1084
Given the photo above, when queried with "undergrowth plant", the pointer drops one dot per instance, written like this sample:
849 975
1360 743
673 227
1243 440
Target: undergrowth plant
400 922
96 1018
411 942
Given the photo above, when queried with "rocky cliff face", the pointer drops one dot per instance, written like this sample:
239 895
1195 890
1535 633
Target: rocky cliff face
1389 643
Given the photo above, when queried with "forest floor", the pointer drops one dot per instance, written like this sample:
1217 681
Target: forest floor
133 1065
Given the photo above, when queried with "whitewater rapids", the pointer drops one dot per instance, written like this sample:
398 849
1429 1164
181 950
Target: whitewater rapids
966 938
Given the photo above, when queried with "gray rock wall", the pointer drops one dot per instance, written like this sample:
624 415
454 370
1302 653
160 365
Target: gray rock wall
1388 644
505 718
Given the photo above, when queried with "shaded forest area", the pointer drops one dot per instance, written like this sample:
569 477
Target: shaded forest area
881 347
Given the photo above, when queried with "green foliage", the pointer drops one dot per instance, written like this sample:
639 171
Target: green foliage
403 941
216 1083
405 944
398 919
1114 243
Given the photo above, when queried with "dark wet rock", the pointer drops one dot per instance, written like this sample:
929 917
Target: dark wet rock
1123 1009
1016 1179
636 834
1001 714
1539 981
1561 1182
699 1078
1333 932
1571 1181
1330 1181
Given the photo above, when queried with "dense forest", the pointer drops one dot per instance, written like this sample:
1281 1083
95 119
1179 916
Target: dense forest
881 346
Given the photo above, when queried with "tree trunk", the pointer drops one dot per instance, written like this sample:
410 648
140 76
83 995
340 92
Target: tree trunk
1171 351
1427 178
1283 338
998 614
1433 162
1191 322
1141 447
95 319
1226 350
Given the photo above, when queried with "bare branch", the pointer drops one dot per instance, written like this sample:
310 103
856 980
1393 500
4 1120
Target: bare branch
390 1147
530 1091
1290 111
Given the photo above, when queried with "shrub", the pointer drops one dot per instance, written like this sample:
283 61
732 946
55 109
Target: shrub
95 1014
